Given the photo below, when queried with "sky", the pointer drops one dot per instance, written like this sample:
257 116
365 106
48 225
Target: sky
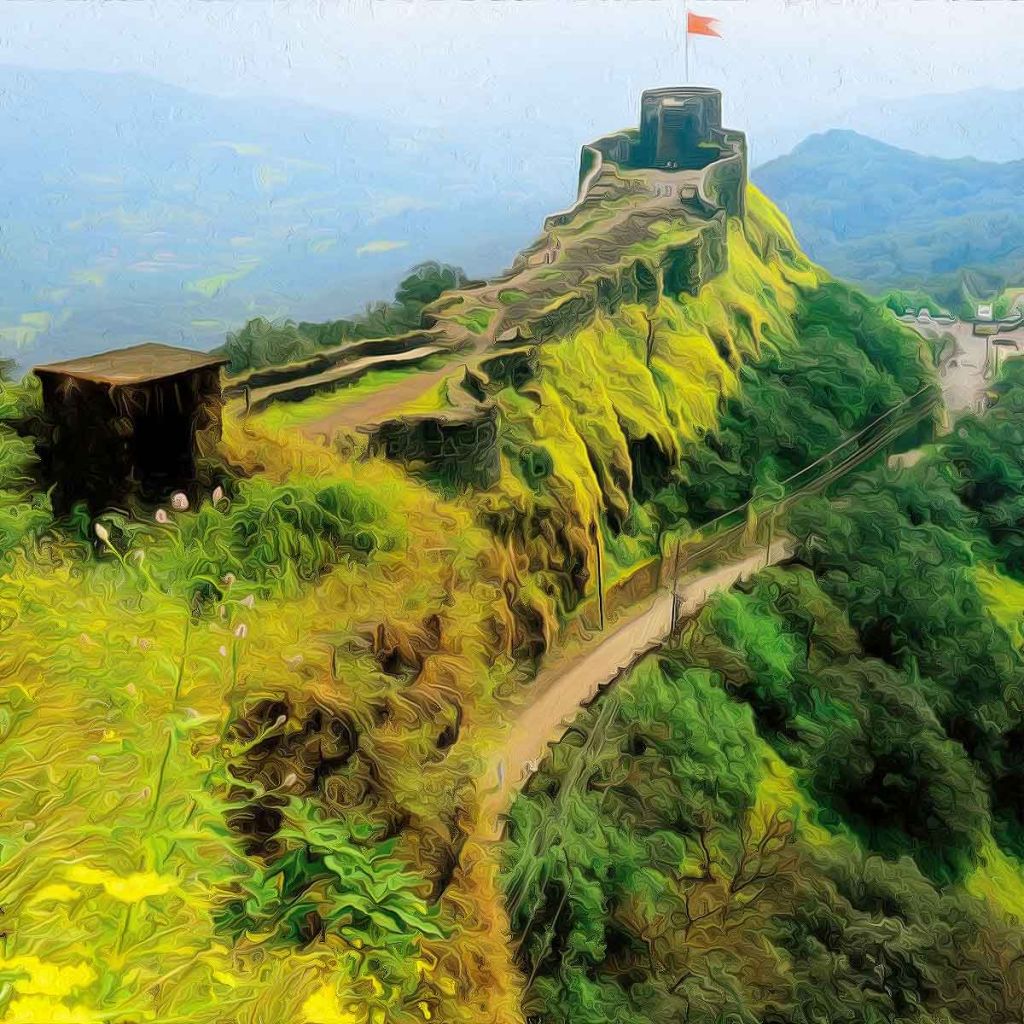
539 66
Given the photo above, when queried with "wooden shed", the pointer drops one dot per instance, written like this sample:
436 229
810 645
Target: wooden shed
128 423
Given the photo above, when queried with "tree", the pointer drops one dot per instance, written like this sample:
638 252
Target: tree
426 282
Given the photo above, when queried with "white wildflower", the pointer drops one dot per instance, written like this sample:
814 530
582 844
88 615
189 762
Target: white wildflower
161 516
179 501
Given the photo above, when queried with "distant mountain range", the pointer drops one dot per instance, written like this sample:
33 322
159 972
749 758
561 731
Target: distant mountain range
888 218
134 210
983 123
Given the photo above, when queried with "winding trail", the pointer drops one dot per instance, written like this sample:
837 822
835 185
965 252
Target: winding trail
557 694
576 677
558 263
379 405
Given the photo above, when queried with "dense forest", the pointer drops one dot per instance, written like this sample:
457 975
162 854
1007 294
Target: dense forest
796 811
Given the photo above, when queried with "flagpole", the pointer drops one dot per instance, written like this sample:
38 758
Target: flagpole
686 43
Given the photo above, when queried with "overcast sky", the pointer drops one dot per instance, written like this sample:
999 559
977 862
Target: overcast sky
785 67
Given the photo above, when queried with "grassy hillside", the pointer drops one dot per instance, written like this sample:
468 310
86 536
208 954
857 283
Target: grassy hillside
888 218
242 747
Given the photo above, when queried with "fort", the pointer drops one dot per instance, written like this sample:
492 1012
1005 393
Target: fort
680 129
680 168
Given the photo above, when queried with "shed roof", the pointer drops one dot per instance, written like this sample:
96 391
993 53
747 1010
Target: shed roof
136 365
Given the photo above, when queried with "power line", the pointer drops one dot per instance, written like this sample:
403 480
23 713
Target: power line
822 458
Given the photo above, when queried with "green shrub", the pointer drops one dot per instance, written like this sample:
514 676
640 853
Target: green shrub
280 534
273 537
24 509
327 876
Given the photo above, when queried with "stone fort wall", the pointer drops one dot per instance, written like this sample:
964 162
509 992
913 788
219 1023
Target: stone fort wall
680 129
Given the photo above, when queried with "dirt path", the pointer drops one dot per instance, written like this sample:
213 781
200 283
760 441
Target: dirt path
379 405
465 351
558 693
573 261
338 374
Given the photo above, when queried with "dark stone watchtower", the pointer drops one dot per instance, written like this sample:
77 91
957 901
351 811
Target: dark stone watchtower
678 128
128 422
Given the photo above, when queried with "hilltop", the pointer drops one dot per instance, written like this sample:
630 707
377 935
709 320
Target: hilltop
248 743
888 218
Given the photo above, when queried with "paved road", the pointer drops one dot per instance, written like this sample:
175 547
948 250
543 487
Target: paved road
965 368
557 694
963 371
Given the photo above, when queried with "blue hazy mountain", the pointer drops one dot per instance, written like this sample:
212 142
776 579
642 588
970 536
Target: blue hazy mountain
886 217
983 123
132 210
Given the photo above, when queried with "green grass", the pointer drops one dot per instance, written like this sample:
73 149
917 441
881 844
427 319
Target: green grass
129 894
476 320
288 415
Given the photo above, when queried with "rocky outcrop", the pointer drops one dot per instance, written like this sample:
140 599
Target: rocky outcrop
457 447
688 267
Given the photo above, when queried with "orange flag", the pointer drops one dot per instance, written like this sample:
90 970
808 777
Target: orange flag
696 25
